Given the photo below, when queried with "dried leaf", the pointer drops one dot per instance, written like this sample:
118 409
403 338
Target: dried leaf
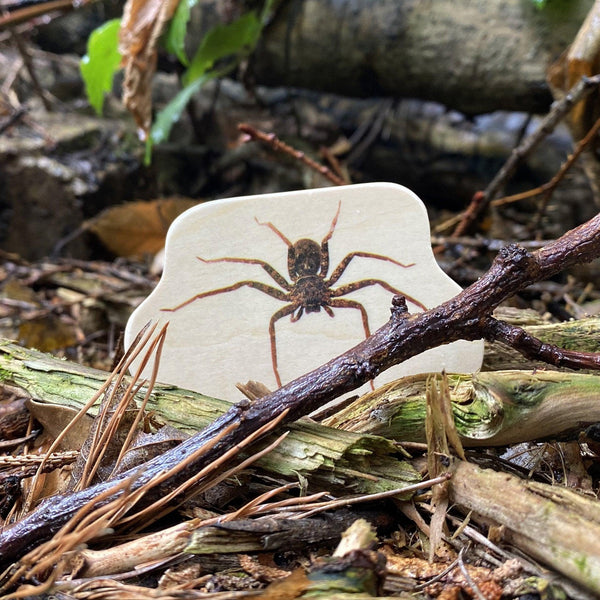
138 228
141 26
55 419
15 290
47 333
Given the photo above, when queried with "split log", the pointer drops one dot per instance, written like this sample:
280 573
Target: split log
338 461
490 409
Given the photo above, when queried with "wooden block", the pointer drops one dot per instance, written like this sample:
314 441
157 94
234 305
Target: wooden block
226 281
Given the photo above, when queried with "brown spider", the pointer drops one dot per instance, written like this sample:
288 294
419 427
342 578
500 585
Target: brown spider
309 290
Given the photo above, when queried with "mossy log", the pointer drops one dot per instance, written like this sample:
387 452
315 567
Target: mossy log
472 56
554 524
338 461
490 409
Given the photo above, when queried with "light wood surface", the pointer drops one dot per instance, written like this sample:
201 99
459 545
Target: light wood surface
215 341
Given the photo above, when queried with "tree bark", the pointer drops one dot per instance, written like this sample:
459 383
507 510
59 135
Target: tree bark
554 524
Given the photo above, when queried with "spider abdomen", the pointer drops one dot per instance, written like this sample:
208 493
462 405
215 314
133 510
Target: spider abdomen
311 293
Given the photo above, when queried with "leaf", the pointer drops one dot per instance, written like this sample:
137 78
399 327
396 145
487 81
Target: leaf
219 42
222 41
175 39
171 112
47 333
138 228
142 24
99 65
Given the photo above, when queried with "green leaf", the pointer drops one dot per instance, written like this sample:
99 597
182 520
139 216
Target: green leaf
175 39
170 114
222 41
101 62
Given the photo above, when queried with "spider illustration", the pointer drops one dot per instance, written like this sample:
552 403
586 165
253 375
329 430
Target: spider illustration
309 290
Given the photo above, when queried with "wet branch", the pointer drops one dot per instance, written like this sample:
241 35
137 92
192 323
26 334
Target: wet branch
466 316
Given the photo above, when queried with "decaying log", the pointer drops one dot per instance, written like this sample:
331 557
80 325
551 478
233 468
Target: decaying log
493 408
466 316
340 462
490 408
554 524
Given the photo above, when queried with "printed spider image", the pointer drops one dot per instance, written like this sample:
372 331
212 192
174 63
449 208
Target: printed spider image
309 290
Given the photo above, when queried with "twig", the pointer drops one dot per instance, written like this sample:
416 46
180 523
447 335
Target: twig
272 140
479 203
18 41
466 316
15 115
463 569
27 13
548 187
488 244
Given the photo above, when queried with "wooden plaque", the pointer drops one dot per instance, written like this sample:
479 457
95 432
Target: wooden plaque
237 312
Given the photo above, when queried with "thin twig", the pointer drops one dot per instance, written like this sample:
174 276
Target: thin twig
18 41
14 116
38 10
548 187
463 569
274 142
558 111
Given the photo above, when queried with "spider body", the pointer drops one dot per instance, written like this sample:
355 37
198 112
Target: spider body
310 294
309 289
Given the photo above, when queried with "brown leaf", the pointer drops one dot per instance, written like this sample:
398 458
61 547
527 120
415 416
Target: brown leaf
47 333
137 228
141 26
55 418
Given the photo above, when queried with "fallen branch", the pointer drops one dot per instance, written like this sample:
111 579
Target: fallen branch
466 316
494 408
554 524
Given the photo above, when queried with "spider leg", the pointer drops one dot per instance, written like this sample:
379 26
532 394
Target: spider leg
282 312
324 266
347 303
275 275
296 317
339 270
275 231
262 287
357 285
333 224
